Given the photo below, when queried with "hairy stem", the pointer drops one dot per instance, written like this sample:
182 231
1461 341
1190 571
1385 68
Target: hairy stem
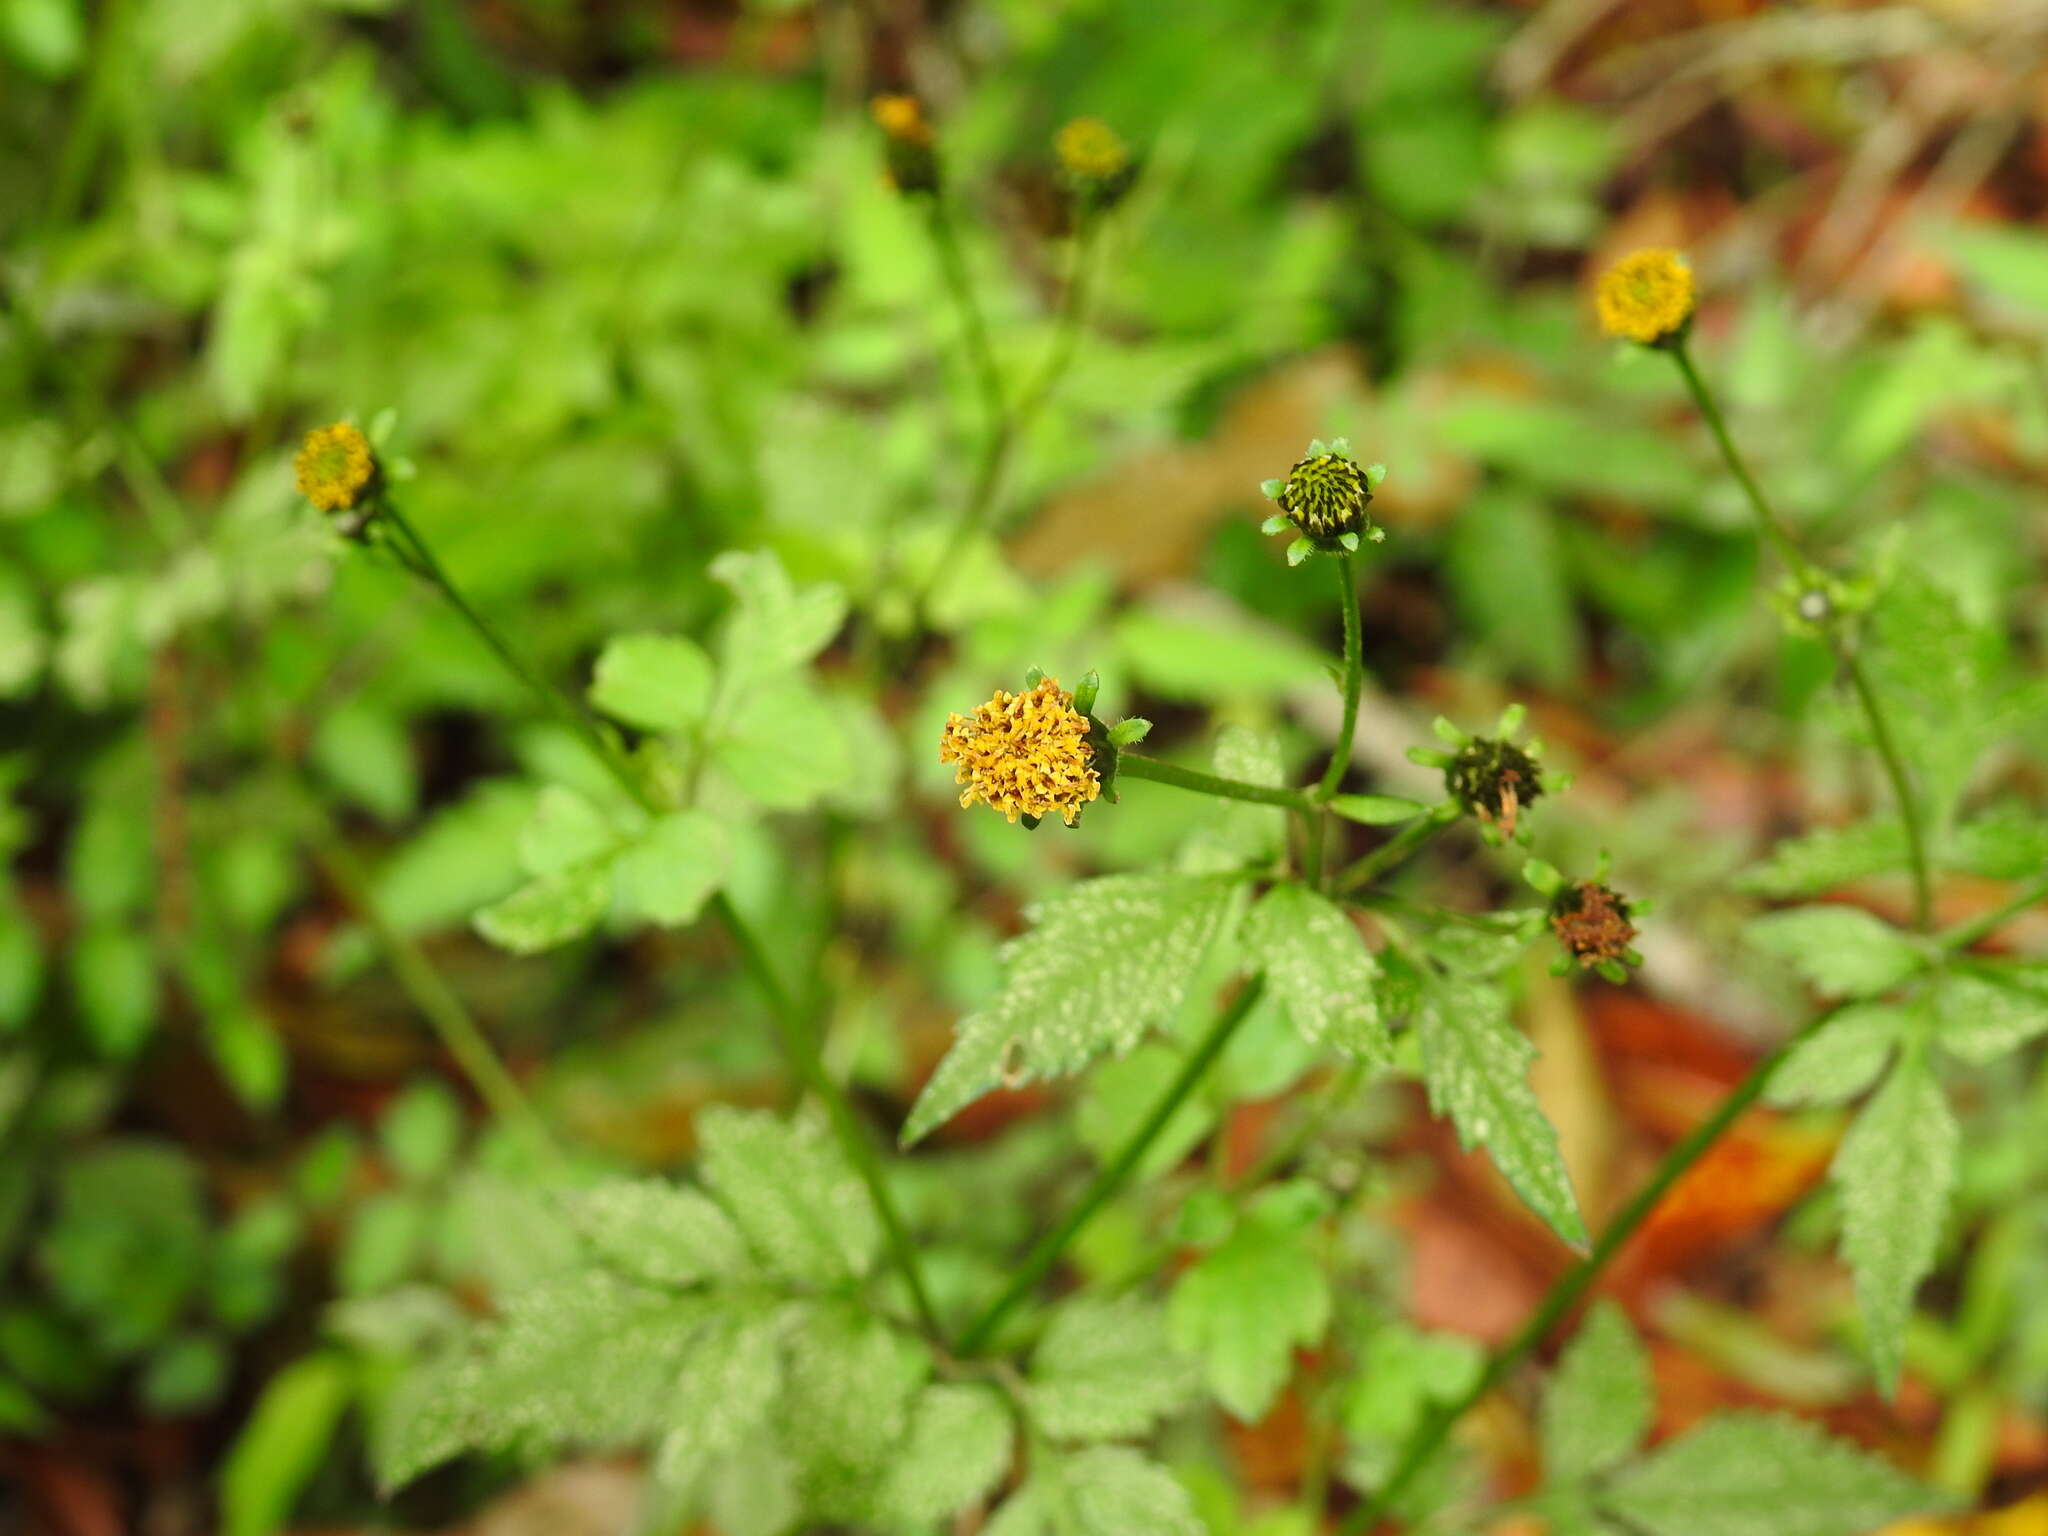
1866 697
1046 1252
1354 677
1131 765
1401 846
1569 1287
801 1048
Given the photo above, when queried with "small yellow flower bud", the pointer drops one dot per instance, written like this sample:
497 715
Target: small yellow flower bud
335 467
902 119
1024 754
1646 297
1088 148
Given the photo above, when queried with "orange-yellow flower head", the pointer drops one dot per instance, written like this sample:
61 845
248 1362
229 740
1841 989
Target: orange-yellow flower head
1646 297
1088 148
335 467
1024 754
902 119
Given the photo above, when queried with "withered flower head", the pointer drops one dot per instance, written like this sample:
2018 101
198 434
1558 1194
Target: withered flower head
1494 779
1592 922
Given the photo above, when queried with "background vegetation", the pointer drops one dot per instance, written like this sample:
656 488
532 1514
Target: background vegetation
626 288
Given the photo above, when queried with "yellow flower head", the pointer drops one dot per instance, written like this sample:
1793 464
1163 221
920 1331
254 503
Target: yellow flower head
1646 297
902 119
1024 754
1089 148
335 467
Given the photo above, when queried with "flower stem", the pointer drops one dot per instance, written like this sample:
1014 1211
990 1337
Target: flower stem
1569 1287
1964 935
1866 697
801 1048
1390 853
1354 677
430 993
1045 1253
981 355
1131 765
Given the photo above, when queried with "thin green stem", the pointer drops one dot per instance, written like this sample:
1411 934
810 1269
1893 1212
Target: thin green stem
1313 827
1398 848
988 379
430 993
1566 1291
1767 519
1046 1252
1131 765
801 1048
1902 787
1354 677
550 697
1964 935
1866 697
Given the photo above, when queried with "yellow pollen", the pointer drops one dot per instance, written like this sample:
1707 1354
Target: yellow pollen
334 466
1024 754
1090 147
1646 296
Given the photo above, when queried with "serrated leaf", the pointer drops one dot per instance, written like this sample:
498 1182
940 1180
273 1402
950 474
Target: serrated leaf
1105 1370
1476 1066
2006 842
774 627
844 1421
958 1445
1820 861
654 682
729 1380
1755 1474
1983 1014
1244 1308
1932 669
1599 1404
1102 962
549 911
803 1211
1841 951
1896 1169
1842 1058
1105 1490
1319 969
565 830
669 871
784 745
657 1232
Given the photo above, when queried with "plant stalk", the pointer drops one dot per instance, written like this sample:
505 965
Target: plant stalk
1132 765
1354 677
1566 1291
1046 1252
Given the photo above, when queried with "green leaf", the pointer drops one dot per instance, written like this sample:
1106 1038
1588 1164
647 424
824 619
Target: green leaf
549 911
113 974
1841 951
284 1443
1599 1405
185 1375
1985 1014
730 1378
1212 657
566 831
774 627
1842 1058
802 1210
1319 969
1896 1170
958 1445
1245 1307
363 751
1105 1370
784 745
1102 962
853 1379
1476 1065
667 874
1757 1474
653 682
125 1247
1105 1490
1821 861
1932 669
1507 569
1376 810
658 1232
